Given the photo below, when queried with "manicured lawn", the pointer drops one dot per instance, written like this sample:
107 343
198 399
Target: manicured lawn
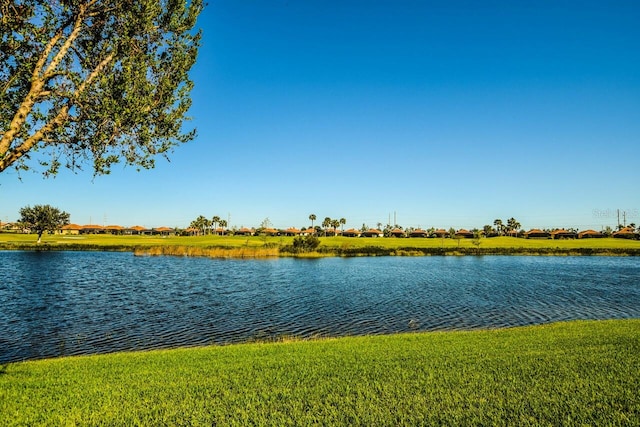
577 373
106 241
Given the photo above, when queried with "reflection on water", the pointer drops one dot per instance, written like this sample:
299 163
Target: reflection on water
61 303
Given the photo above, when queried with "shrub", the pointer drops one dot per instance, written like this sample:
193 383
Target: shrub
304 244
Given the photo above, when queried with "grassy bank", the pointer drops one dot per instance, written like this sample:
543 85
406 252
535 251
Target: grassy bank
578 373
257 246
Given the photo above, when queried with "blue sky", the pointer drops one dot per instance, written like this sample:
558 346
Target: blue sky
444 114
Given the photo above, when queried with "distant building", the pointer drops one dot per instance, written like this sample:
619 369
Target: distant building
92 229
372 232
292 231
626 233
73 229
396 232
441 232
464 234
352 232
244 231
418 232
114 229
164 231
590 234
563 234
536 234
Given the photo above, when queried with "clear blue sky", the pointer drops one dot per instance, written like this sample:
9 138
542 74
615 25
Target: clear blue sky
448 114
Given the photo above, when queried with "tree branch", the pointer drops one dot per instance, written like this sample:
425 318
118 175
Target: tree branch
77 26
62 115
37 84
95 73
19 151
29 100
39 78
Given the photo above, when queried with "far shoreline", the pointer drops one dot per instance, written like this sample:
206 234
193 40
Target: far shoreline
272 251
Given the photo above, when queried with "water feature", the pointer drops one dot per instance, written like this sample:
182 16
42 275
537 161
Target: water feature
62 303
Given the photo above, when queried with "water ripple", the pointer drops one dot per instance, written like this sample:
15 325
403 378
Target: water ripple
63 303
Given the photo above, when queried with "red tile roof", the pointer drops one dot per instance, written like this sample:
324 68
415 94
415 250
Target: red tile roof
590 233
71 227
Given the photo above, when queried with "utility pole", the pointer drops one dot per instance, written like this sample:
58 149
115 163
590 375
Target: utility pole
624 219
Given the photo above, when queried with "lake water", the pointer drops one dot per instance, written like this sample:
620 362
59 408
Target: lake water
63 303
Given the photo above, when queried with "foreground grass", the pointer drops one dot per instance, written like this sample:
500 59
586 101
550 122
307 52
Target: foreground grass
259 246
578 373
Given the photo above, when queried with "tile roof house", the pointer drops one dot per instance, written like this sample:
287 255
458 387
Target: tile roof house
465 234
626 233
137 230
292 231
244 231
309 232
563 234
114 229
396 232
71 229
352 232
441 232
332 231
269 232
590 234
373 232
418 232
536 233
92 229
163 231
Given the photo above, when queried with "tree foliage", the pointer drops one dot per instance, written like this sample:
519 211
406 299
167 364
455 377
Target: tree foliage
305 244
99 81
202 224
41 218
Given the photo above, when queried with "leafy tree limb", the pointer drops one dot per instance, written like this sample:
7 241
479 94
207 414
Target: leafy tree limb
102 81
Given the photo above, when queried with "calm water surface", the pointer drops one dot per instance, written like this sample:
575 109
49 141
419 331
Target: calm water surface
62 303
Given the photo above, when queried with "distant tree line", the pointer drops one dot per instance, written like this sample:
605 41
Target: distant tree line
41 218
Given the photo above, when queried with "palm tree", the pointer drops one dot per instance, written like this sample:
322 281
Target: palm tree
201 223
215 220
312 217
513 225
325 224
223 224
335 223
343 221
498 224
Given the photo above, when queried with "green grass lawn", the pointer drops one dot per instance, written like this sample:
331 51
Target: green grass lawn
106 241
577 373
